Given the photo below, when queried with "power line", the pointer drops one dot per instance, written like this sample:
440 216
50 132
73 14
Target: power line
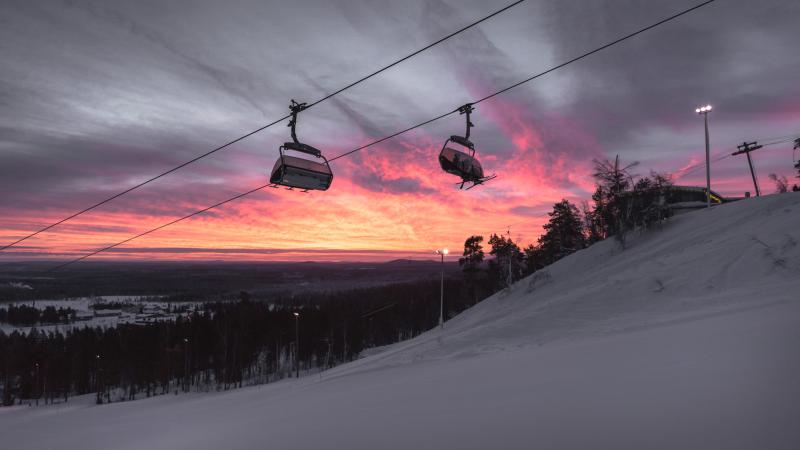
782 141
421 124
674 16
698 166
152 230
695 167
540 74
628 36
411 55
229 143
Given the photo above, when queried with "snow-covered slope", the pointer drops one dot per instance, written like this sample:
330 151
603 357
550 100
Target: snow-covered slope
698 264
685 339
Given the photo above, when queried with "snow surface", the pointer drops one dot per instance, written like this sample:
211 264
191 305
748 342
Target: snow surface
685 339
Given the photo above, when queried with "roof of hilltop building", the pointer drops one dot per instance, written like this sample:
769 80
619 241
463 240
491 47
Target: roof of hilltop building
681 198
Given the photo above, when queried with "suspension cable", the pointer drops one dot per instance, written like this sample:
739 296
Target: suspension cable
421 124
258 130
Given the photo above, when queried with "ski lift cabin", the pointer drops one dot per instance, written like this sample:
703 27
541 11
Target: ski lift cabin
460 163
463 163
295 172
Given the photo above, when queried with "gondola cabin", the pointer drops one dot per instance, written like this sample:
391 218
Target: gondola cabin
460 164
300 173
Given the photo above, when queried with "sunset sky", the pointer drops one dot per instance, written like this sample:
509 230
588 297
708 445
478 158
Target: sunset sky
98 96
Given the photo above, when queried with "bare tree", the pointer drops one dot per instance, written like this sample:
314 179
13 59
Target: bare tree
781 183
613 177
612 180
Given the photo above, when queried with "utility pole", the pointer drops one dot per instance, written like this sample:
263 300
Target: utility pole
746 148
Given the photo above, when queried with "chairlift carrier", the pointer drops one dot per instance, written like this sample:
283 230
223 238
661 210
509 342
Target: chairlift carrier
460 163
299 173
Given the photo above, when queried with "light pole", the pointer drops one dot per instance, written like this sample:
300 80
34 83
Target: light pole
185 364
296 344
38 394
442 252
704 110
97 382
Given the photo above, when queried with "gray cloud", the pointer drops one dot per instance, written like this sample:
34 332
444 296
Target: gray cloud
96 96
735 54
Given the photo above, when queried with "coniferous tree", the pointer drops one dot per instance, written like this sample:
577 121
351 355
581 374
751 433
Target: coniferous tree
613 179
470 263
647 202
506 267
563 234
533 258
592 225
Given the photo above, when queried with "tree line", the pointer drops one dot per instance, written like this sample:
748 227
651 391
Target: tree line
621 202
221 345
24 315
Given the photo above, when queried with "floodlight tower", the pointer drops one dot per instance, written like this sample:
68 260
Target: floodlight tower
704 110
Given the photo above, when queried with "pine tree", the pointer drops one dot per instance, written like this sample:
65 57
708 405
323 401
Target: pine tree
506 267
534 259
471 262
473 254
613 180
563 233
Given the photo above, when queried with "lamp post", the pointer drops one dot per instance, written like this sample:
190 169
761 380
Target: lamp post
97 382
185 364
704 110
442 252
37 392
296 344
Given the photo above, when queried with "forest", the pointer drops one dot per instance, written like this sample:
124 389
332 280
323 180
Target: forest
28 315
221 346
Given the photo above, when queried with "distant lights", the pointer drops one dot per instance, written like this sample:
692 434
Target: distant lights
703 109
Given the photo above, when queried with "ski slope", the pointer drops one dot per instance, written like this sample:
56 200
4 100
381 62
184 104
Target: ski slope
685 339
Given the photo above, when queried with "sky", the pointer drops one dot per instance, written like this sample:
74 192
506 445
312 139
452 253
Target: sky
98 96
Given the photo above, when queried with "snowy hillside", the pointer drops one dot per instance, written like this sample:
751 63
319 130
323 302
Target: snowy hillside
685 339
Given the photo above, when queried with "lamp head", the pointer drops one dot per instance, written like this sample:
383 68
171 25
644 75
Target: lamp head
703 109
